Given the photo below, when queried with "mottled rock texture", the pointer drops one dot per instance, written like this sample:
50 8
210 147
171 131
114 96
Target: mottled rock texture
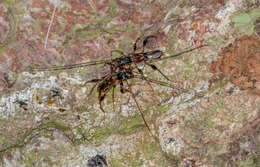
207 116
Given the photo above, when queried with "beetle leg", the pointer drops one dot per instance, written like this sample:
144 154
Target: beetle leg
157 69
155 81
113 97
122 88
142 74
100 104
146 39
139 109
116 51
92 89
135 44
93 80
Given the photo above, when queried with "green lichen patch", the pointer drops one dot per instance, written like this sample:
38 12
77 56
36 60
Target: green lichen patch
218 84
28 135
113 8
147 149
9 3
54 125
144 150
136 160
101 133
244 21
150 149
122 126
252 161
115 162
131 125
11 36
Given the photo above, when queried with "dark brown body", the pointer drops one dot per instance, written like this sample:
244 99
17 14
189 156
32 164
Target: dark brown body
112 81
123 69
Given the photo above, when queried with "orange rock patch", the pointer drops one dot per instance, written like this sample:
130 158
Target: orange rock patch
240 61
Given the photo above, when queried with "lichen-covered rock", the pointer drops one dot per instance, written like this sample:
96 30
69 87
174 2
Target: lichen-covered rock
240 61
48 118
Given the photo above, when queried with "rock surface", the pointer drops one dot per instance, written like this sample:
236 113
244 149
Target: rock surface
210 118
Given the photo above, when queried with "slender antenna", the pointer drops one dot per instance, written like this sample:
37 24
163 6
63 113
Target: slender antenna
181 53
51 68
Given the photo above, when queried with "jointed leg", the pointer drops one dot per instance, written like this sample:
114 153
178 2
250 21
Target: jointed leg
113 97
93 80
122 88
157 69
142 74
97 81
140 111
145 41
101 108
100 96
135 44
154 81
117 51
93 87
100 104
100 99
